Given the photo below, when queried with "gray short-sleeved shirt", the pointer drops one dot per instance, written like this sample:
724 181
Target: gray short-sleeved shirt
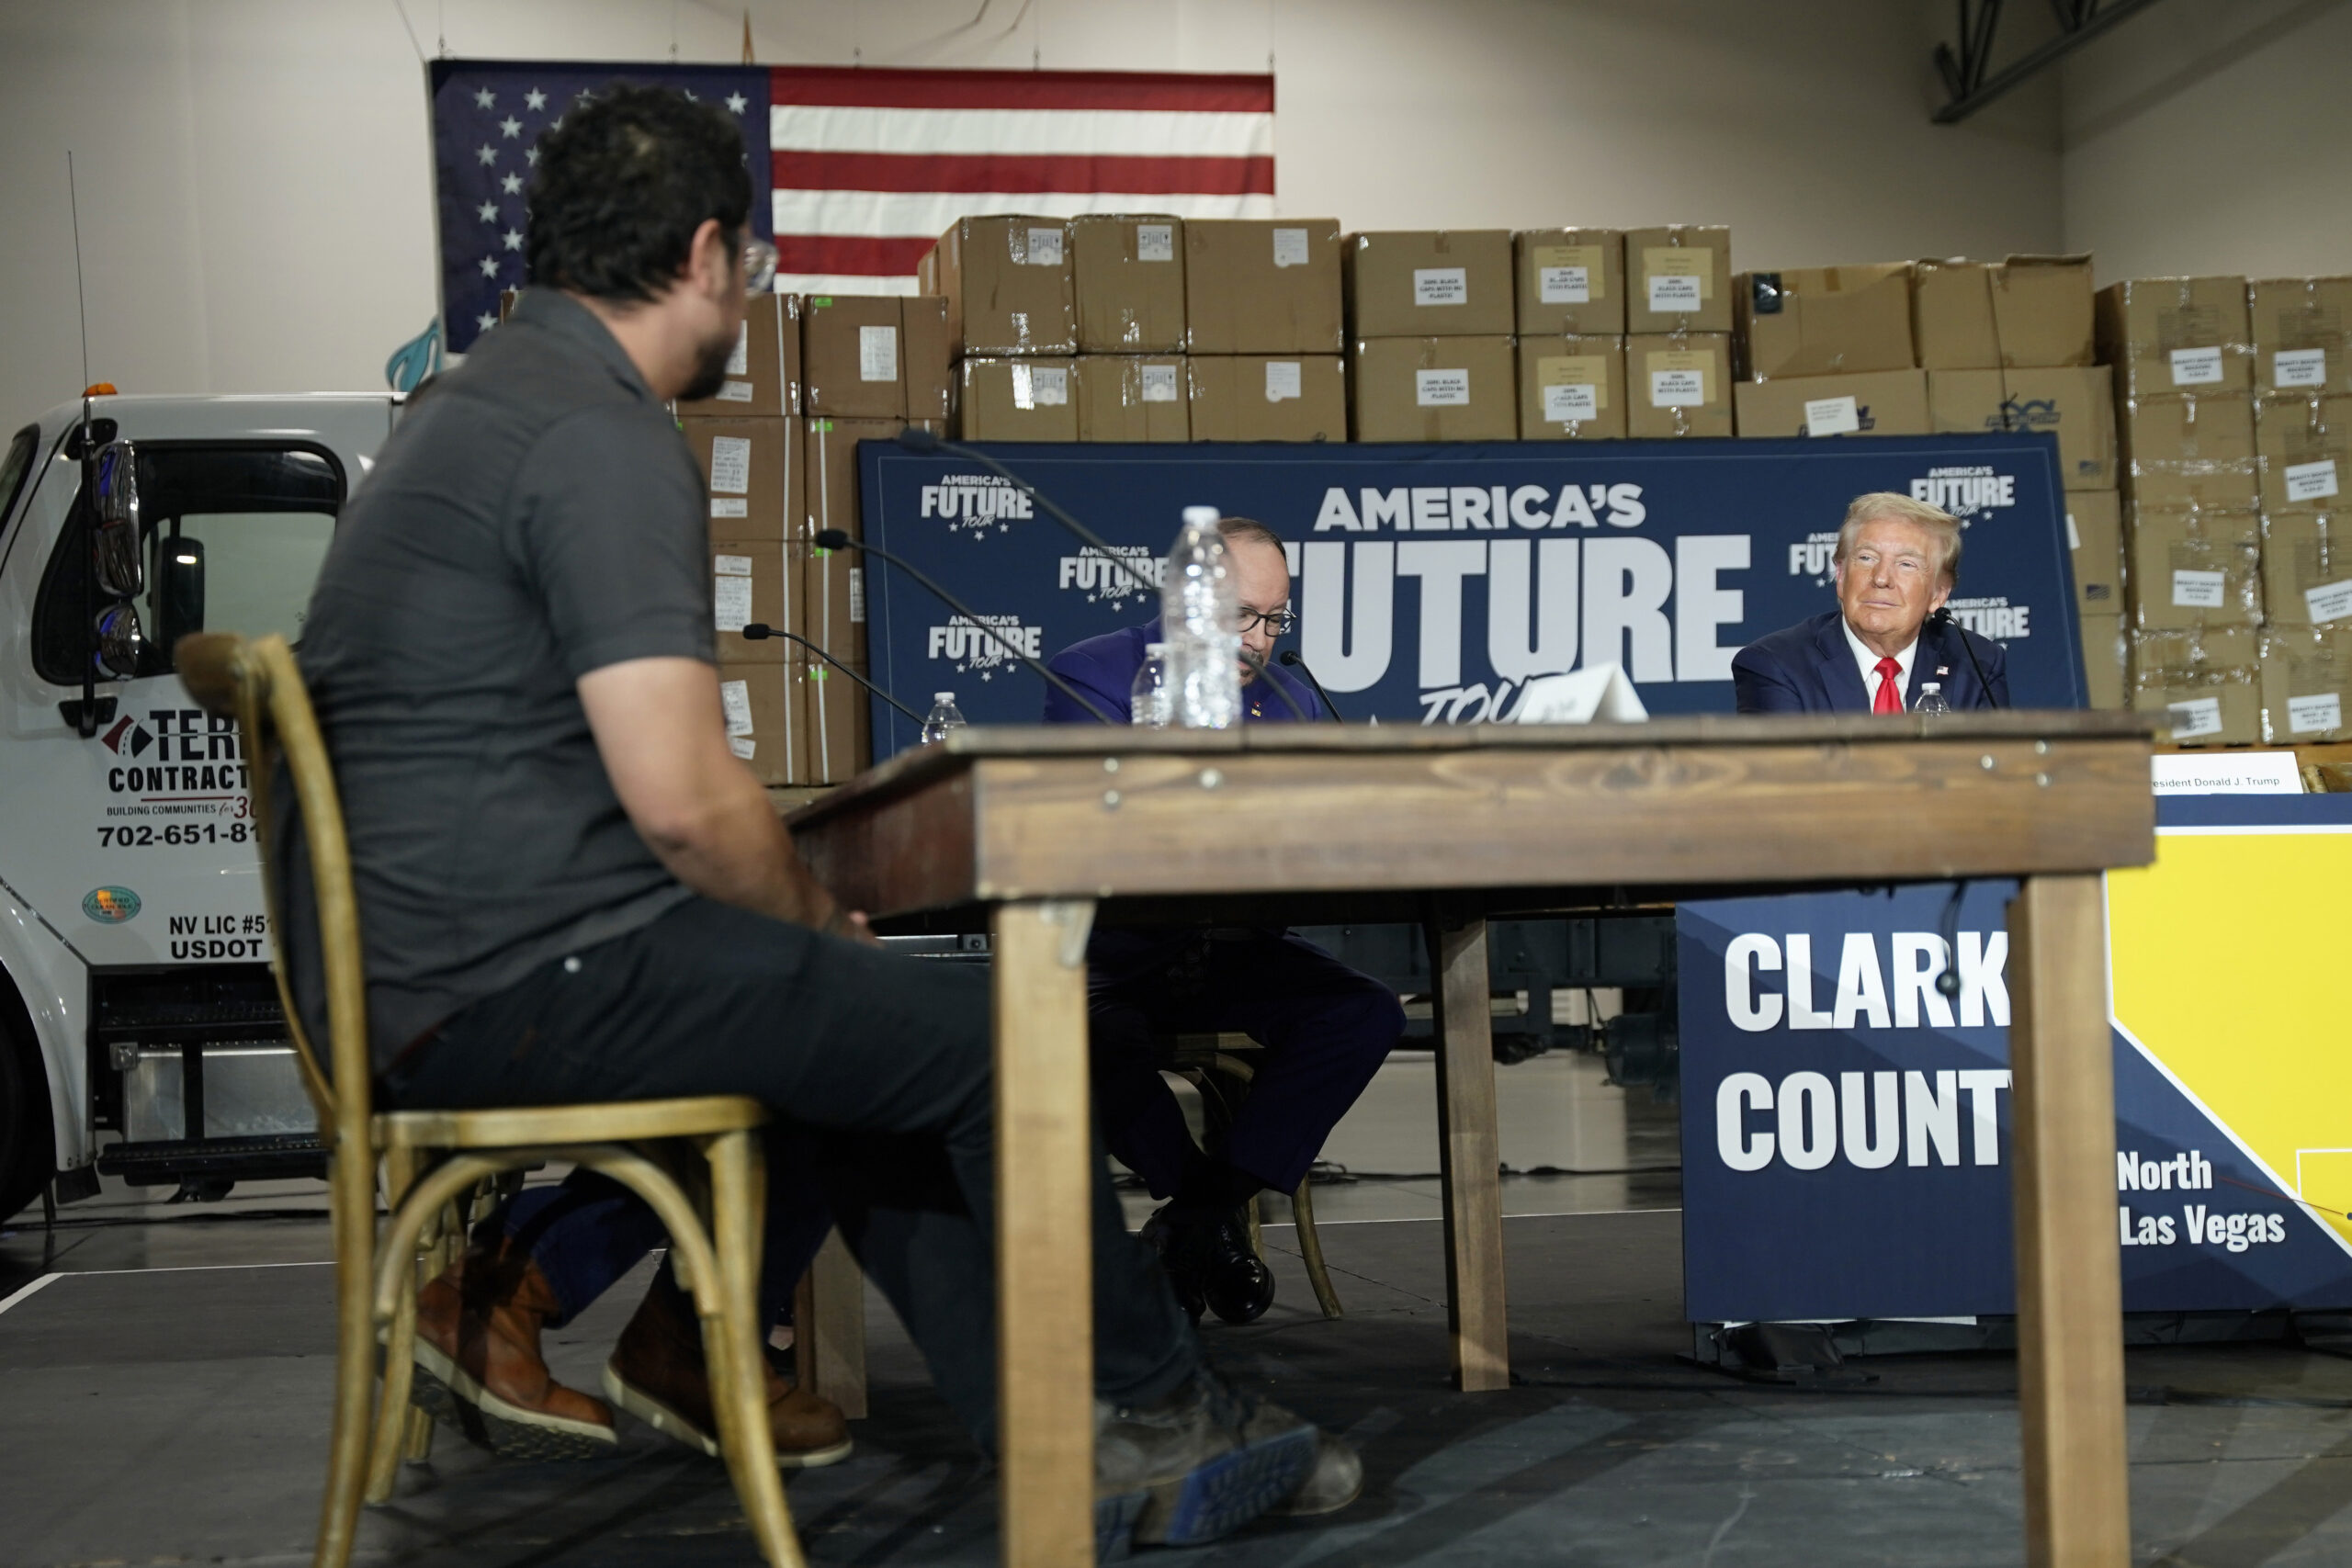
535 516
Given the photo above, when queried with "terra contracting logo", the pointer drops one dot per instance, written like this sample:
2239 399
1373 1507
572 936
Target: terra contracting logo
1966 492
970 646
975 503
110 906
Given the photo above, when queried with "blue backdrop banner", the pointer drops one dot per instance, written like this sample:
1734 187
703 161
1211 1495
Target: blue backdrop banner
1432 581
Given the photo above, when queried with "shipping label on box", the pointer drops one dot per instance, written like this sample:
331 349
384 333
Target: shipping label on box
764 373
850 356
1129 270
760 708
1952 316
1131 398
1569 282
1878 403
2043 313
752 474
1245 397
1678 384
2304 450
2306 683
2306 568
1263 287
2181 449
752 583
1679 279
1824 321
2195 568
2177 334
1571 388
2204 703
1429 283
1008 285
1435 389
2302 335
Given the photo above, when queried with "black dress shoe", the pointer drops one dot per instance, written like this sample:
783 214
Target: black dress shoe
1210 1262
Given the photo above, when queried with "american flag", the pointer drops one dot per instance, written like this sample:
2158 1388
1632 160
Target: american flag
855 172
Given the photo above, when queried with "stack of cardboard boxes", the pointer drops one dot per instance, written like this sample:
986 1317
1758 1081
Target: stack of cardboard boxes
1827 351
2302 450
1569 286
1430 320
1265 329
1677 331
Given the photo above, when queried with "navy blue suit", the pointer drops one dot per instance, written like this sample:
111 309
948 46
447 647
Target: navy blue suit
1810 668
1326 1028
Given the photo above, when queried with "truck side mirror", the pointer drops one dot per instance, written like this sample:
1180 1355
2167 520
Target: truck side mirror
179 598
121 643
122 571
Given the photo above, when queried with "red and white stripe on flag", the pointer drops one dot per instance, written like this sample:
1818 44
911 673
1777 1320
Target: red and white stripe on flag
871 165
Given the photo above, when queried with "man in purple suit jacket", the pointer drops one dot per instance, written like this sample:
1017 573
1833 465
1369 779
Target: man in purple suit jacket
1897 561
1325 1028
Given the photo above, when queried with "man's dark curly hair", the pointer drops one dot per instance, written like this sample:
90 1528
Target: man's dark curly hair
622 186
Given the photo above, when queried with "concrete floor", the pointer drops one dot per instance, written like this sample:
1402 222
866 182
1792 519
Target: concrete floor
163 1399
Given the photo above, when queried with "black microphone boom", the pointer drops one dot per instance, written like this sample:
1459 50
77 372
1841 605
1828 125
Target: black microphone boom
1292 659
1943 621
914 439
834 539
758 630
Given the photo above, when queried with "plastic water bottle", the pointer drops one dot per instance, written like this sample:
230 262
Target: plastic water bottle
1200 617
1931 700
1151 704
943 716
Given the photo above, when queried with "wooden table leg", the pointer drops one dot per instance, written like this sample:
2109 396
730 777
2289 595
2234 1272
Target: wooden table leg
2070 1302
1470 1153
1043 1248
835 1327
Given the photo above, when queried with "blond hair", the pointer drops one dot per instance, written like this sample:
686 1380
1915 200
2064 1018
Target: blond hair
1885 504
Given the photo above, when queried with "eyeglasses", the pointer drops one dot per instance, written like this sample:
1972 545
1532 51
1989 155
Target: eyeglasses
759 267
1281 623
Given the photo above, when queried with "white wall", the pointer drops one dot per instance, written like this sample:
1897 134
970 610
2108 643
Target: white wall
255 174
2213 138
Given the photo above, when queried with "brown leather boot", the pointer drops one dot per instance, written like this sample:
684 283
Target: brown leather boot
657 1375
479 1367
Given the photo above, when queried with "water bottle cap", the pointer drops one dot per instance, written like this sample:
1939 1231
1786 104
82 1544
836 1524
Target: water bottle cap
1206 516
1930 686
942 696
1153 649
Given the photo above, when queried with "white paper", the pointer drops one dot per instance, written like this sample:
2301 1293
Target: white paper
733 392
743 746
731 566
1159 383
877 353
1831 416
1600 693
2195 718
1441 389
1441 286
1290 247
2196 367
2299 368
729 506
1044 248
2304 714
2196 590
1677 389
1576 404
731 602
2330 601
740 362
2224 773
1050 385
1283 380
730 464
2310 481
2073 534
1670 292
856 596
1563 286
735 697
1155 241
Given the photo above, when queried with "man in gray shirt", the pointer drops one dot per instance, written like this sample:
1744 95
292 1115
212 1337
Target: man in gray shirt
571 890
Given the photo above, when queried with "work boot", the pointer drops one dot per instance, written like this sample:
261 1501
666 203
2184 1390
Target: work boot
657 1374
1196 1465
1210 1262
1335 1481
479 1367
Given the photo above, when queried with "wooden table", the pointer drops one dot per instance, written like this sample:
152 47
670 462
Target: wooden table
1034 833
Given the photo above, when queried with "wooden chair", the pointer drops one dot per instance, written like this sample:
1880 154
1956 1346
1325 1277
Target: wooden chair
433 1159
1216 1065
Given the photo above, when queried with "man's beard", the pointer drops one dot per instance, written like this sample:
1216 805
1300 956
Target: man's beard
710 370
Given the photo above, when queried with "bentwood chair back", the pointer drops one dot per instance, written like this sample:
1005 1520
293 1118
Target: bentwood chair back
433 1158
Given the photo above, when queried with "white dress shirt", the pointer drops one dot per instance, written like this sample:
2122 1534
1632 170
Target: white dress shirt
1868 663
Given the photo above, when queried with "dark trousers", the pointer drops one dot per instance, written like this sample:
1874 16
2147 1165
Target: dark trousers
1326 1030
878 1068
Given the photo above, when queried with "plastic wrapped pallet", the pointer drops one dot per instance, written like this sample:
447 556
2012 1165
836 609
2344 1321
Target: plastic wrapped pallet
2306 683
2207 683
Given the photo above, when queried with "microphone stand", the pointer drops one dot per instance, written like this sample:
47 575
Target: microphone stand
1292 659
758 630
834 539
1945 623
914 438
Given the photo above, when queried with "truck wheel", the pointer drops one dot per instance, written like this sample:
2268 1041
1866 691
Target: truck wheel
28 1151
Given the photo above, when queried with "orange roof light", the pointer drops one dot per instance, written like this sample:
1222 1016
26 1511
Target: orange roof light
100 390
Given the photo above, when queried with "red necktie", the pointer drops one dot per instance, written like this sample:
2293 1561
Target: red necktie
1889 698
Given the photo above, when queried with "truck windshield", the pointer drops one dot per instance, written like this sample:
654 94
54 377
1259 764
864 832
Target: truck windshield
13 468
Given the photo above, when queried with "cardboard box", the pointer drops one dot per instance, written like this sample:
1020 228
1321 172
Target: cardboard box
1951 315
2303 449
1129 274
1571 388
1569 282
2189 449
1678 384
2194 568
837 722
763 723
1433 388
1132 396
2307 568
2195 650
1428 283
2094 540
753 581
1263 287
1007 283
1965 403
2077 403
830 465
2107 655
1872 402
763 373
832 586
2308 320
1253 397
2217 707
2167 335
752 471
1679 279
2306 685
874 356
1023 399
1823 320
2043 311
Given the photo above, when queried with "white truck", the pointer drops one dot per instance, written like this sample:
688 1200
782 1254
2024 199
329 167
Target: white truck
136 1005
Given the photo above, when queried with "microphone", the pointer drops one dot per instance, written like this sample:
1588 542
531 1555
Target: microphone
757 630
834 539
1291 660
1943 622
914 439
